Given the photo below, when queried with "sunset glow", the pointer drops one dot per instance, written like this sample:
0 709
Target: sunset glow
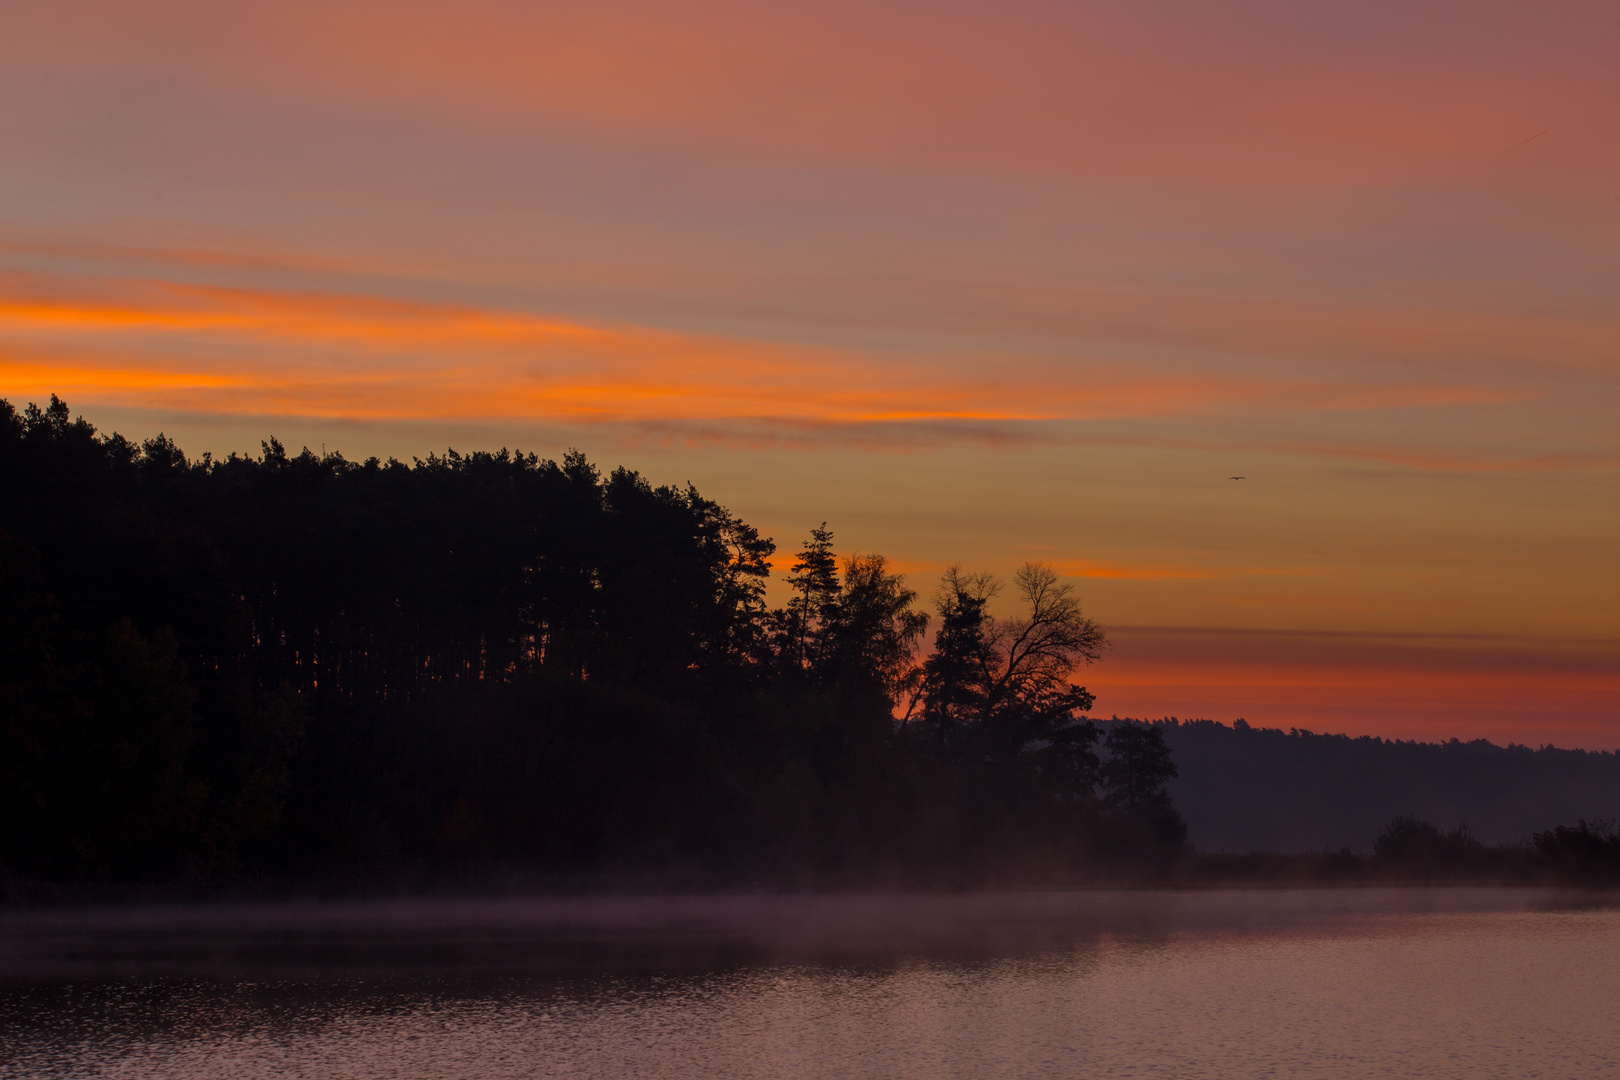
1290 334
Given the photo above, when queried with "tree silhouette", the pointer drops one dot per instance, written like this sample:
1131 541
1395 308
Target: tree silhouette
871 633
956 677
1135 779
1139 769
814 580
998 691
1034 655
294 663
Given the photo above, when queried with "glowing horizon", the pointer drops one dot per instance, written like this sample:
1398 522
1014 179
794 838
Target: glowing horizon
971 283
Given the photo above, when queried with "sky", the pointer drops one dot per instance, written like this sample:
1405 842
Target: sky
973 283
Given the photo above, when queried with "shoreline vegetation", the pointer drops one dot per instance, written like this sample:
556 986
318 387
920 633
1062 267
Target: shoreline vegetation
294 675
1544 863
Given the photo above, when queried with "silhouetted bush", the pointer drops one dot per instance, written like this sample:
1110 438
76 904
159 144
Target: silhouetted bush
1584 852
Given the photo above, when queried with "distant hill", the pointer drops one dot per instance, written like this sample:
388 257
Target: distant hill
1246 789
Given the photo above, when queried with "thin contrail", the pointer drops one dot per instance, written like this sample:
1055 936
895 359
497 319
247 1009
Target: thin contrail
1516 145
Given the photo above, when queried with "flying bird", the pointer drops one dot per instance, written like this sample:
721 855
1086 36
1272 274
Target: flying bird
1237 477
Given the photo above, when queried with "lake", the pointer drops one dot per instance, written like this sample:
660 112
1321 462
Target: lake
1244 983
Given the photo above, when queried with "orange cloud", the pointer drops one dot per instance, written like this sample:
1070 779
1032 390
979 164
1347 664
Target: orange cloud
1417 353
235 349
372 357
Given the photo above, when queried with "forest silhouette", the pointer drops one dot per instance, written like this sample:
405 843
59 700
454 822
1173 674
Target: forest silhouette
497 670
1254 788
303 667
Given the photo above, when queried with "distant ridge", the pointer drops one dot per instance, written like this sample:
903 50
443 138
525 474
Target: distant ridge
1246 788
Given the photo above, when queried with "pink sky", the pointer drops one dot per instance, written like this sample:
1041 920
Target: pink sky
971 282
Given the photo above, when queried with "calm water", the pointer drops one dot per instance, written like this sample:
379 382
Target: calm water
1367 983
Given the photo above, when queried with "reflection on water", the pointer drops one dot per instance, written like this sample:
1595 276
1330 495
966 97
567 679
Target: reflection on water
1399 983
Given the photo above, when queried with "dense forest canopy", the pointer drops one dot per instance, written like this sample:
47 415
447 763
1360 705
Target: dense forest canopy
302 664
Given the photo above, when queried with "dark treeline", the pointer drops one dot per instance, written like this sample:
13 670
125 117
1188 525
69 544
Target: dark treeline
1249 788
1411 850
305 668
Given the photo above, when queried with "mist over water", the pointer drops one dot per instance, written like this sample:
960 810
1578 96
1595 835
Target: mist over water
1347 983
